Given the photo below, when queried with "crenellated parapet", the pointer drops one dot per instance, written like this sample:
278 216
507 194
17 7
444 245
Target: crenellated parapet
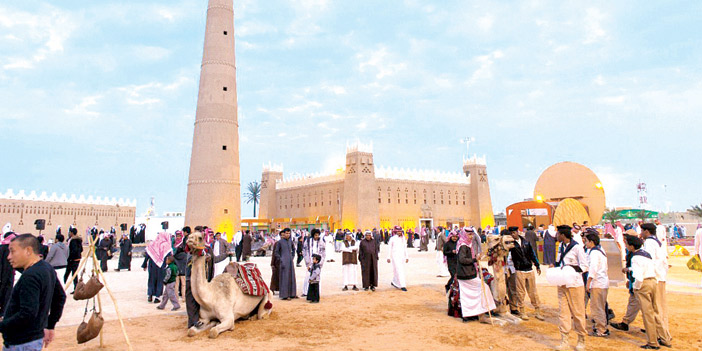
309 179
82 199
475 160
420 175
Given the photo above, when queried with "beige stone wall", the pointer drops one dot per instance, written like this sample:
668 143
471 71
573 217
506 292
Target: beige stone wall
404 202
310 201
22 214
359 197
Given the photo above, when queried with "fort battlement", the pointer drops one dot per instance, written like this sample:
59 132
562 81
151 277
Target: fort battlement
420 175
90 200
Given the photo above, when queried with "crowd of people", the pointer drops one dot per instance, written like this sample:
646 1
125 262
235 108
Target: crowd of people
470 290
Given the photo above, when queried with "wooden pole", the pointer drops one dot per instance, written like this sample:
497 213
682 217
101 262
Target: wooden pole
484 293
99 272
119 316
96 271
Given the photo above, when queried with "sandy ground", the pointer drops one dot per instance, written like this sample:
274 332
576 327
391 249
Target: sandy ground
387 319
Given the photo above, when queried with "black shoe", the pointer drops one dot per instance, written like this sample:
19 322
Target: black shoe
620 326
372 288
465 319
403 289
365 289
354 288
663 343
150 299
116 270
345 288
157 300
650 347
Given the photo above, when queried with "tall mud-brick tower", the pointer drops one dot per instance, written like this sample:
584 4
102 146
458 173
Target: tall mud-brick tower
213 185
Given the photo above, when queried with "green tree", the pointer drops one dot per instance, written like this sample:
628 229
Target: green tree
611 216
253 194
642 215
695 210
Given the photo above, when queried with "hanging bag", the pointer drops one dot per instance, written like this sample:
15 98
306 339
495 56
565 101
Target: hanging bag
90 330
87 290
695 264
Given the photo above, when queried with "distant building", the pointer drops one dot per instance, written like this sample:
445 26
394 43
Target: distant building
365 197
22 210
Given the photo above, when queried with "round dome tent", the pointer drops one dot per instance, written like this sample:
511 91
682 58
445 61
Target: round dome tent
570 211
570 180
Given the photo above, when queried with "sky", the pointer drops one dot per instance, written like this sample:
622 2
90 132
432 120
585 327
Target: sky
98 98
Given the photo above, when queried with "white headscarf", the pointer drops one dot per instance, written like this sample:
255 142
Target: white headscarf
552 230
7 228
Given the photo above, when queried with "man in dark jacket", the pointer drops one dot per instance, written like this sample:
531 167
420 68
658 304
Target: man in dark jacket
451 257
75 252
525 261
37 299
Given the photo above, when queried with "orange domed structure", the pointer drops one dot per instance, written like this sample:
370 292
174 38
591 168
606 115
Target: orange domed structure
570 180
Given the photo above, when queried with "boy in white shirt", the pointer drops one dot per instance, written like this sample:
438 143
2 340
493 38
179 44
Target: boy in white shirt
644 272
597 284
571 299
659 254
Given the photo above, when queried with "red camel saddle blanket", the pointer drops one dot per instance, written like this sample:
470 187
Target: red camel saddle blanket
249 278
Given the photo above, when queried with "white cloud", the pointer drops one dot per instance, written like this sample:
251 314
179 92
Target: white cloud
36 36
151 53
619 187
485 23
250 28
484 72
599 80
593 26
335 89
83 108
379 61
304 107
612 100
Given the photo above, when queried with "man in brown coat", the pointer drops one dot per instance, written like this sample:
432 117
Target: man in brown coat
368 255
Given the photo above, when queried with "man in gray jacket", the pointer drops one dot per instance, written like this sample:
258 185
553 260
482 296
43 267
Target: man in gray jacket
58 253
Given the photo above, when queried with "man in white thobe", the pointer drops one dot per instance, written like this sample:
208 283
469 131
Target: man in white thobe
349 262
397 255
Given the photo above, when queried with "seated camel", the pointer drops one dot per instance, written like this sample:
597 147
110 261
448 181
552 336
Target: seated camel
221 300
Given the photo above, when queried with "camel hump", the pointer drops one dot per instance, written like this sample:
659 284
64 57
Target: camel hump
232 268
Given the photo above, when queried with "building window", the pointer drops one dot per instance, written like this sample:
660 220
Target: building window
226 211
224 147
406 201
380 201
449 202
388 200
464 202
225 32
398 199
415 201
224 88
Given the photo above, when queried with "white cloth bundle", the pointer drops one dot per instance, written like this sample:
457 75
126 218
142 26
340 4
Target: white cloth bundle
567 276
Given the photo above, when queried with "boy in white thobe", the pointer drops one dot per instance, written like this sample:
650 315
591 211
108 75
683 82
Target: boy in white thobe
397 255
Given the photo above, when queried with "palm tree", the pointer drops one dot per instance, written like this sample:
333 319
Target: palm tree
696 210
642 215
611 216
253 194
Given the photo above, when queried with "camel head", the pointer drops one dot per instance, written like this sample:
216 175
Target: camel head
196 243
499 244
